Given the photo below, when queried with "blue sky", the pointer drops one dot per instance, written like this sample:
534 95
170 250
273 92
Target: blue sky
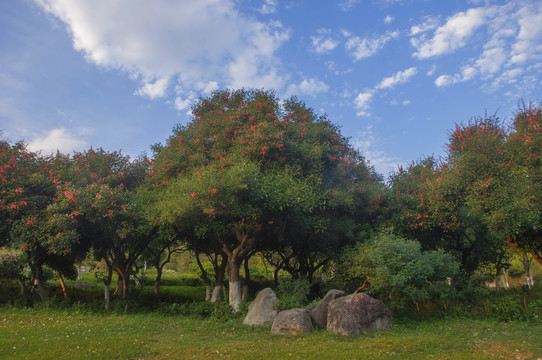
395 75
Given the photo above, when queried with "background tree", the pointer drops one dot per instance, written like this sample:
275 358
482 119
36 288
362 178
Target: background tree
519 214
100 196
164 241
30 220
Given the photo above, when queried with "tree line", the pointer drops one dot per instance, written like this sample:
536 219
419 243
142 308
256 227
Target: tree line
251 174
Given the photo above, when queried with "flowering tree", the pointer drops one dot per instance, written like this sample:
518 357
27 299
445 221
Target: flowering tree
519 216
459 196
29 217
244 162
409 212
445 206
99 194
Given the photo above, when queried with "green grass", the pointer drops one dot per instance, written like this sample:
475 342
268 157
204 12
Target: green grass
66 334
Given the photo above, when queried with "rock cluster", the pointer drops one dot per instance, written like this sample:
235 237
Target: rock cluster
347 315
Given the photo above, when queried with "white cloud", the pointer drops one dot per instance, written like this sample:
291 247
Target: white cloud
268 7
337 69
348 4
364 47
467 73
444 80
513 38
153 90
58 140
512 76
368 144
310 87
432 70
429 23
400 77
206 86
362 102
388 19
323 43
450 36
528 43
491 60
181 104
406 102
175 42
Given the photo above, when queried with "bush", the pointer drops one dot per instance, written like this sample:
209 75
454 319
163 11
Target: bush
393 269
292 293
199 310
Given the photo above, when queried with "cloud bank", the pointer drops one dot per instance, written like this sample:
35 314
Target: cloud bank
191 43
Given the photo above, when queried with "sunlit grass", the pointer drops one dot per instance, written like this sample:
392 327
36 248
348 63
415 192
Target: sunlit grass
57 334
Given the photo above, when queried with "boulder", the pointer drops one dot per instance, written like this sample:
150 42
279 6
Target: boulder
358 313
319 312
262 310
292 322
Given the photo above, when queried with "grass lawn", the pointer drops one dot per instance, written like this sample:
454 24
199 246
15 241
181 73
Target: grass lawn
60 334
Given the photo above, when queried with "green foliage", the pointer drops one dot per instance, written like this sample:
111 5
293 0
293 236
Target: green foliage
396 270
11 267
292 293
514 304
247 169
199 310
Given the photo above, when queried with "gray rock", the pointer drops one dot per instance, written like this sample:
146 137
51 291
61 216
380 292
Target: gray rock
262 311
319 312
359 313
292 322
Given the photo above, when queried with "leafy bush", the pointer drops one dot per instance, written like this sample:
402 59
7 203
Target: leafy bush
199 310
394 269
514 304
292 293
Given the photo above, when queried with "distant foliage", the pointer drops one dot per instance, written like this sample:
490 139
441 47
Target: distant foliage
292 293
393 269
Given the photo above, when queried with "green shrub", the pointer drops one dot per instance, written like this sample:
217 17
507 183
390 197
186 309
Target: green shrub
393 269
199 310
292 293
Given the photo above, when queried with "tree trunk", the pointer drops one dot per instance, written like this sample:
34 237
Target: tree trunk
244 296
527 268
235 294
36 284
79 272
62 284
497 280
205 279
107 295
25 293
451 283
137 281
124 286
504 278
107 284
157 280
220 271
124 276
276 276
